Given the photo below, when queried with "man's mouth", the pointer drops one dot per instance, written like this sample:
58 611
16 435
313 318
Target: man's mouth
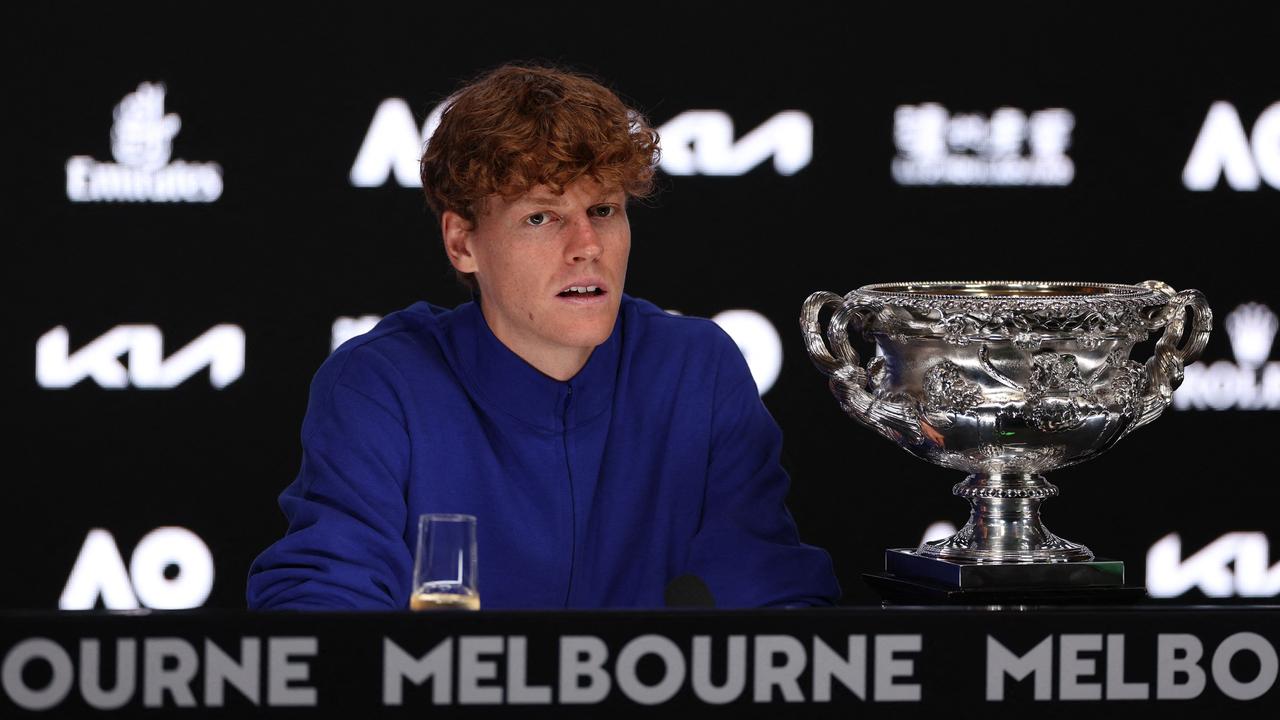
581 291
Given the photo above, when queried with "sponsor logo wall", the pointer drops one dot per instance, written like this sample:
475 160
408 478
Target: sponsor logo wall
695 142
159 384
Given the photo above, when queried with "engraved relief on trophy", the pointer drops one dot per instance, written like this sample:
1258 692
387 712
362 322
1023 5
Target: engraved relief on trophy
947 391
1127 384
1058 399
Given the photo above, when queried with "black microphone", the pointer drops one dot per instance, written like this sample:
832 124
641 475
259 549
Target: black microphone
688 591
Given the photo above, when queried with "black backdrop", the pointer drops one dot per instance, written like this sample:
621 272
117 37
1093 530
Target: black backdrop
282 101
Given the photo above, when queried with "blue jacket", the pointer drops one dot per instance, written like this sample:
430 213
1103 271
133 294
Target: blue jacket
656 460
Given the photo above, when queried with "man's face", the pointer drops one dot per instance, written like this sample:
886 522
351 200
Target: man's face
533 256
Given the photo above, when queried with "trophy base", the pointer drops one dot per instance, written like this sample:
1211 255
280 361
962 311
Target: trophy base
912 578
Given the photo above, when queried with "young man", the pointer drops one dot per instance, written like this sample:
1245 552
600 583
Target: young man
605 447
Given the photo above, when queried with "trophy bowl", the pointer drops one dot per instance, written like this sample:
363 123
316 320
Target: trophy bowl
1005 381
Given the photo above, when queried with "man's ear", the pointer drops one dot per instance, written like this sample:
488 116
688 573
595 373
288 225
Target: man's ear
458 233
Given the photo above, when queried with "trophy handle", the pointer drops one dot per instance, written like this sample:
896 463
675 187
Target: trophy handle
1165 368
848 380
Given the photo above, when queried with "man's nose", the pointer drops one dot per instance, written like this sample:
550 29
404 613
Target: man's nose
584 242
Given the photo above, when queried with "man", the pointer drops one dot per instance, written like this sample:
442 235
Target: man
605 446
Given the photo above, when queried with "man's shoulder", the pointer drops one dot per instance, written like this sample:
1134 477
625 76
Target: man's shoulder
411 340
396 328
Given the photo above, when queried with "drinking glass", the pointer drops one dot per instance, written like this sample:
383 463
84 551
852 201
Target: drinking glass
444 567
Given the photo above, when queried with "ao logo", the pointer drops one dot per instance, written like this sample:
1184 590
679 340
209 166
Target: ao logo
694 142
221 349
99 572
754 335
1252 382
1222 148
1211 569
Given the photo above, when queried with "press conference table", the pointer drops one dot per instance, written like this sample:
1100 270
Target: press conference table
1180 661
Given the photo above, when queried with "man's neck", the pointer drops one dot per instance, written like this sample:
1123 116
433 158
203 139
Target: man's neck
560 366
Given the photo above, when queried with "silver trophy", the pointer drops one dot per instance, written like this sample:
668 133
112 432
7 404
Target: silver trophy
1005 381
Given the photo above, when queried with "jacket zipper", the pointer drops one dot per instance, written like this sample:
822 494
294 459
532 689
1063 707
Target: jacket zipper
573 511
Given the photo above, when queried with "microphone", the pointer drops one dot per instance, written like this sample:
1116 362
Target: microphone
688 591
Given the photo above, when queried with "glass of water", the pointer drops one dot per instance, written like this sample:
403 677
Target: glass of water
444 567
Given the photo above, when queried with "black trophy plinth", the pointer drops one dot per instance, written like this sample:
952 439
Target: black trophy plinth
912 579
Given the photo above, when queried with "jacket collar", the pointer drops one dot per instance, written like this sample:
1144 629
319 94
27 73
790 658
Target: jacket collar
504 380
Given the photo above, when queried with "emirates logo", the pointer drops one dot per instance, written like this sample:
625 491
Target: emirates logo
144 169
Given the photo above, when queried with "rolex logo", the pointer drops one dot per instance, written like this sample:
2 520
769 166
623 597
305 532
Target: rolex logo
1252 328
1251 382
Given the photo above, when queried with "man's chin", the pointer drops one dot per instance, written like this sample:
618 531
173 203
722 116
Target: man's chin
587 335
588 340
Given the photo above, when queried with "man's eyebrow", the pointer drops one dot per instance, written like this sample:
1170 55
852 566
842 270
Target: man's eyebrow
556 200
541 199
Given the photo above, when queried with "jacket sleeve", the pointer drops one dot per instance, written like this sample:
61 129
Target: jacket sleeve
345 547
747 548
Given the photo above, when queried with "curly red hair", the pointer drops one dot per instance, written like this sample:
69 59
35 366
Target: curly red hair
519 126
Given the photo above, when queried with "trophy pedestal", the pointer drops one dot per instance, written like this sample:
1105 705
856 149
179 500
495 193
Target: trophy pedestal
912 578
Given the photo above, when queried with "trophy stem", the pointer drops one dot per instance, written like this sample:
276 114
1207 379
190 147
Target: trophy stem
1004 524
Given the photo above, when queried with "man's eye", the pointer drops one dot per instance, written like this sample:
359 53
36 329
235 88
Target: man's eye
603 210
538 219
